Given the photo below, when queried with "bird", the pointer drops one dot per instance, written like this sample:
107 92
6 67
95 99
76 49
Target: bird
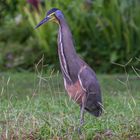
80 80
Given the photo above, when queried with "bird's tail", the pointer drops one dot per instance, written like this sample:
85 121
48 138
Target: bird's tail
94 104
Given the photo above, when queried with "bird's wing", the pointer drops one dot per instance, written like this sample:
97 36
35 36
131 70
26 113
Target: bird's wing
90 85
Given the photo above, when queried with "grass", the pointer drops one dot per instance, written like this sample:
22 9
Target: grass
36 106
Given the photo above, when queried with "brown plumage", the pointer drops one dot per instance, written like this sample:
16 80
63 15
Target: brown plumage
79 79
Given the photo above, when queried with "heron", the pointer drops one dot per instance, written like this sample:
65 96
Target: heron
79 78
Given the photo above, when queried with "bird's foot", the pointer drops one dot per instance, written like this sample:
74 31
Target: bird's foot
81 134
79 128
79 131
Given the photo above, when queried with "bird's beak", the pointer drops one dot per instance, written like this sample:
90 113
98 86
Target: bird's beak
43 21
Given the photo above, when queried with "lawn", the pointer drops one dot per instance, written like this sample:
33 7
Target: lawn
36 106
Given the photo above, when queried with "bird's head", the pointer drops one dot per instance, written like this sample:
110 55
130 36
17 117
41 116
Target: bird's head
52 15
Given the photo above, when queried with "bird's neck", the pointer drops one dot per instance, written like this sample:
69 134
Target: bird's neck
65 38
66 50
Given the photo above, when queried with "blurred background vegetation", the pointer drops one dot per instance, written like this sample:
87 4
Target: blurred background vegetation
105 32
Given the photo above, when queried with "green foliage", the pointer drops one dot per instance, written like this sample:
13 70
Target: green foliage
18 48
8 8
105 32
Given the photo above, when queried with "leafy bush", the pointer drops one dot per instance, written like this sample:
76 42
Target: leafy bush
104 31
18 48
107 31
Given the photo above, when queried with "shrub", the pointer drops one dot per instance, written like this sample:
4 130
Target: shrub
107 31
104 31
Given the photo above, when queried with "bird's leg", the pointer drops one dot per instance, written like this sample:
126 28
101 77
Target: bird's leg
82 115
81 118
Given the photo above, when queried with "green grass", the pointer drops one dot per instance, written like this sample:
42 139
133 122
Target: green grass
35 106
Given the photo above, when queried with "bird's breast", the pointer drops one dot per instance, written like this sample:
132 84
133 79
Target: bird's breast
75 91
